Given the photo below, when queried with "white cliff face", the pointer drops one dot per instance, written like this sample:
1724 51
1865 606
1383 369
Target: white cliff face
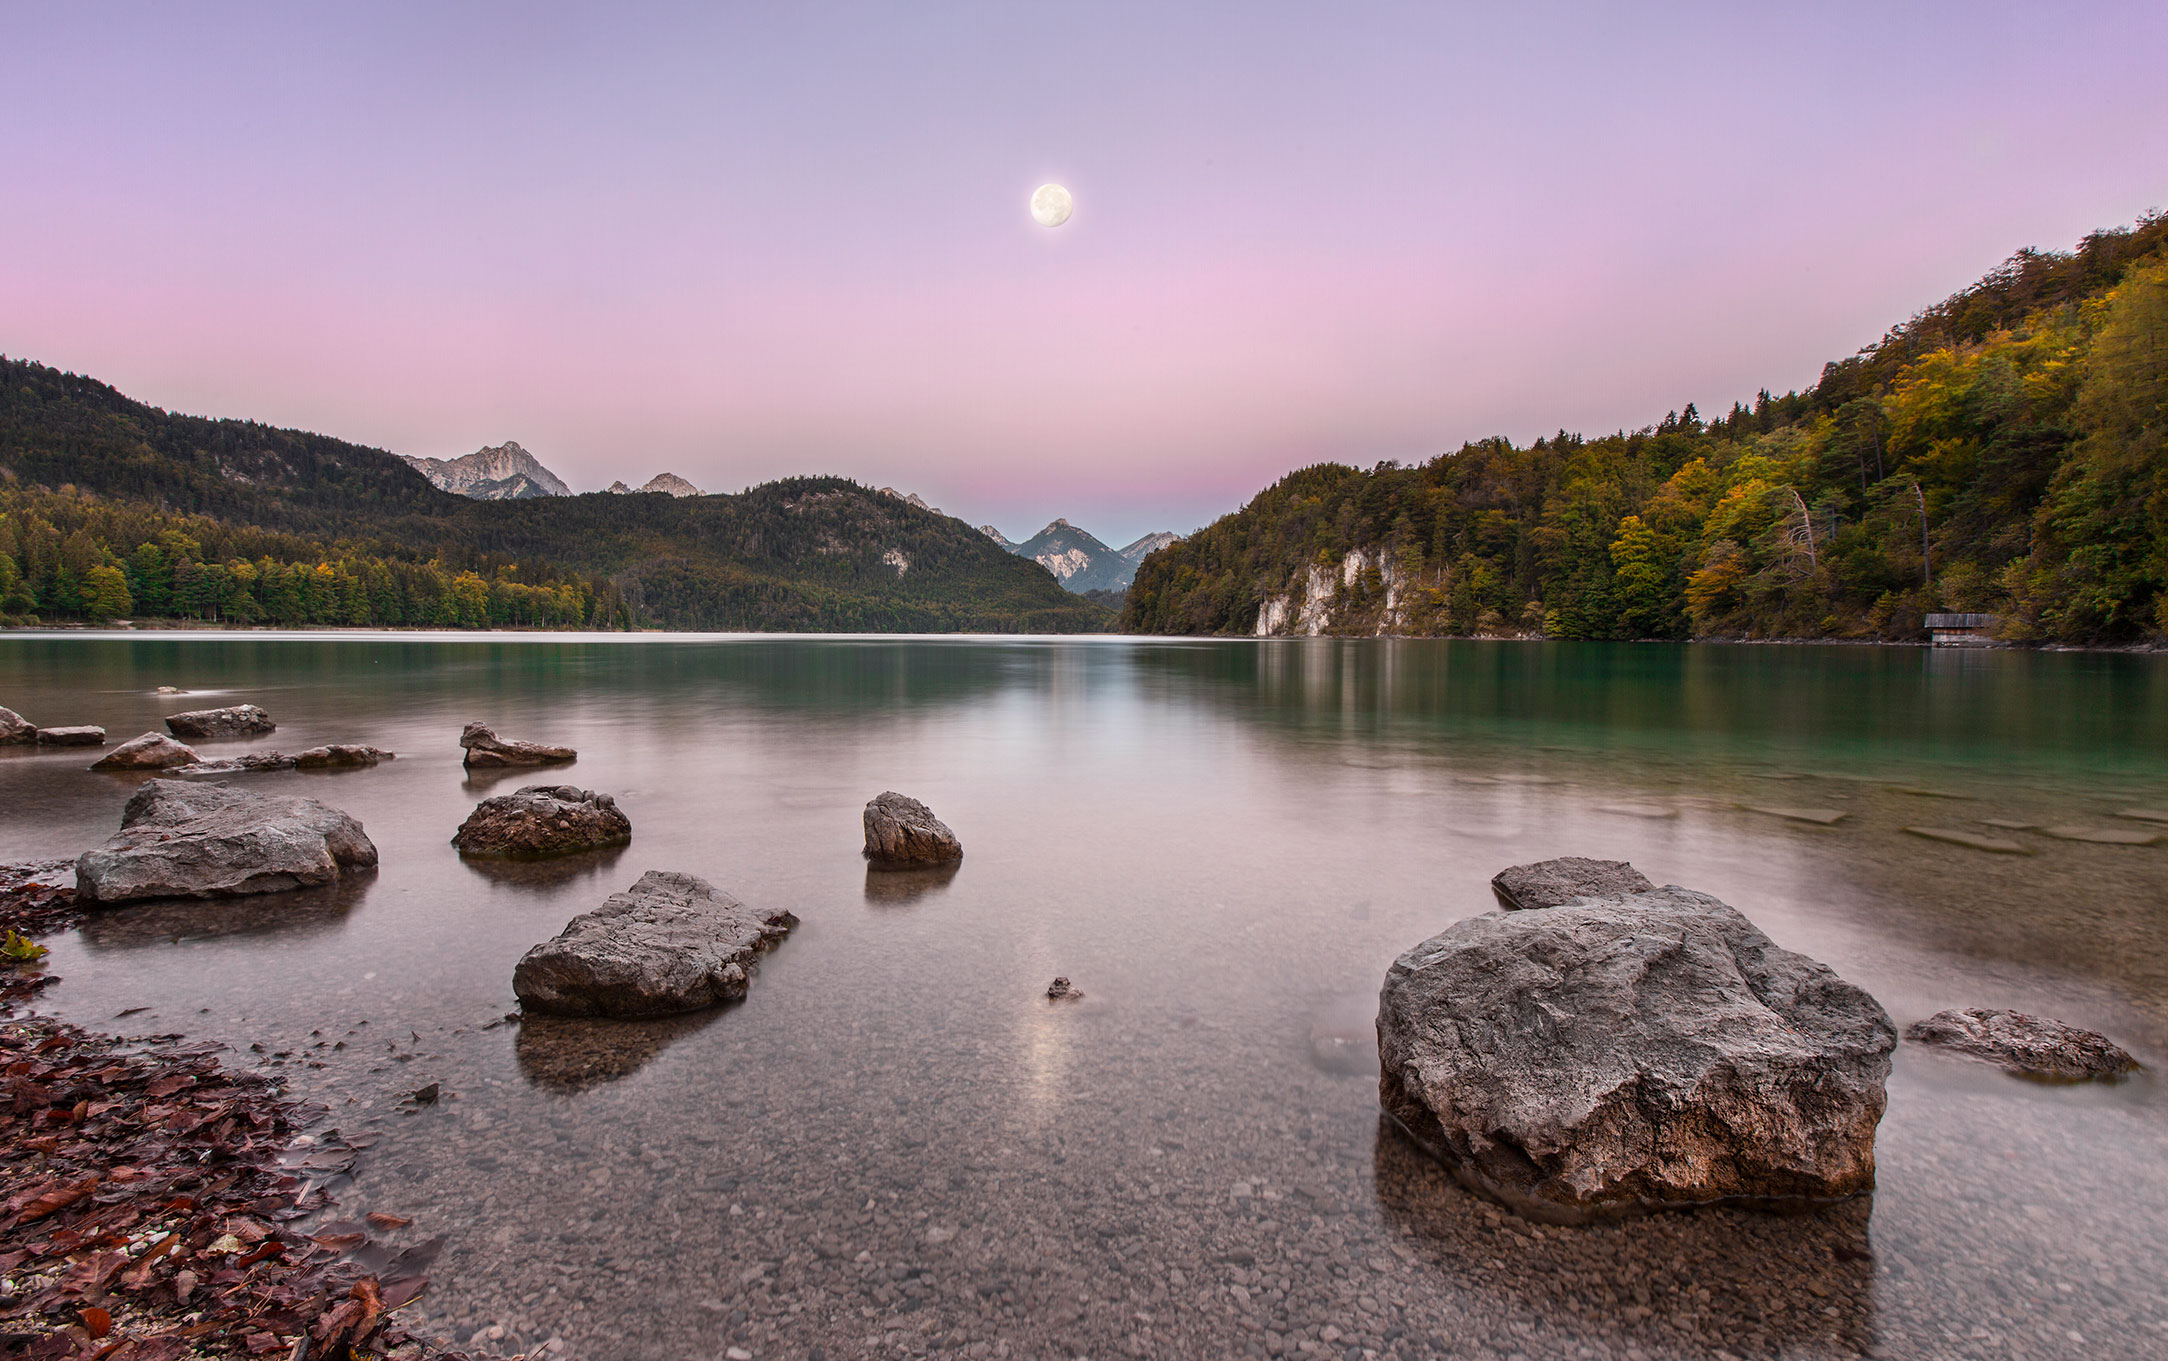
894 557
1308 610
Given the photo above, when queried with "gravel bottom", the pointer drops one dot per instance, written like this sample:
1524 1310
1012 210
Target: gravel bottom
643 1200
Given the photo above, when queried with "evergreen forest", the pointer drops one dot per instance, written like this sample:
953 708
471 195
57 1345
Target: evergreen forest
111 509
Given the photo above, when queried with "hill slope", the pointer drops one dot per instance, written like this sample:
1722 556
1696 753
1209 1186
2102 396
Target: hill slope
90 480
2002 452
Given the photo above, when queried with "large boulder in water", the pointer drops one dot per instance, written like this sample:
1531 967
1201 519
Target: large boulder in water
15 730
902 833
1568 879
151 751
670 943
2029 1046
185 840
485 748
543 819
241 720
1643 1052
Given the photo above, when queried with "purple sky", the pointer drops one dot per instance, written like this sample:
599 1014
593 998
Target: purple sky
739 245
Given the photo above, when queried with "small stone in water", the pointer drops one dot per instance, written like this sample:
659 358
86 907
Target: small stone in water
2103 836
1974 840
1062 990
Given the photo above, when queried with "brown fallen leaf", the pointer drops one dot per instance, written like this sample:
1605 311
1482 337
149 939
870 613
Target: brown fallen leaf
387 1221
59 1198
97 1322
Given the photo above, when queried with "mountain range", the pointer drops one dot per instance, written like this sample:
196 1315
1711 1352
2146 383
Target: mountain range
1079 560
110 507
506 472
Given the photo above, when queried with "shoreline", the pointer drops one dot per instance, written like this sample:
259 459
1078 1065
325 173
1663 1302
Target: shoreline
119 630
156 1202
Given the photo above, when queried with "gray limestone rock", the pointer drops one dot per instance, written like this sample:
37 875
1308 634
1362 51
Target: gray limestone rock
84 736
671 943
543 820
2029 1046
902 833
151 751
1622 1055
337 756
183 840
485 748
1568 879
15 730
240 720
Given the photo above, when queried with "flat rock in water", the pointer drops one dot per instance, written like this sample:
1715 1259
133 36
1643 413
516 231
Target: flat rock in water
1645 1052
183 840
337 756
1638 810
485 748
240 720
543 820
151 751
1826 817
2145 814
84 736
902 833
2104 836
1974 840
2029 1046
671 943
1568 879
15 730
2008 824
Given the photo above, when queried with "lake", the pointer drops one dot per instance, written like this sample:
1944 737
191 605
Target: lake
896 1146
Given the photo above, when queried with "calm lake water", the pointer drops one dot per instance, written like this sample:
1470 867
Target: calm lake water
897 1147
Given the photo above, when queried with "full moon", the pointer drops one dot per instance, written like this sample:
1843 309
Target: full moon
1050 205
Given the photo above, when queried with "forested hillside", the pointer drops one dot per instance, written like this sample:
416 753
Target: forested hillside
113 509
2002 452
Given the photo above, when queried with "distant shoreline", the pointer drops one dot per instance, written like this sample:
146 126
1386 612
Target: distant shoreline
149 628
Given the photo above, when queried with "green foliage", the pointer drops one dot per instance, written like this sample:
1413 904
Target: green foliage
2003 452
110 508
15 949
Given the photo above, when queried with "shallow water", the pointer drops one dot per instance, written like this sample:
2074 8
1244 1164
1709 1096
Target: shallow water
897 1146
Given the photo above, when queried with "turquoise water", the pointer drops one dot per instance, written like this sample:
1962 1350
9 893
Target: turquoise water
1223 844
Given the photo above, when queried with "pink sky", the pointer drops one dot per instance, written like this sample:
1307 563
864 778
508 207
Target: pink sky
741 246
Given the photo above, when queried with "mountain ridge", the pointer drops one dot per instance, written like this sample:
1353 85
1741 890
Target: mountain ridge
79 459
501 472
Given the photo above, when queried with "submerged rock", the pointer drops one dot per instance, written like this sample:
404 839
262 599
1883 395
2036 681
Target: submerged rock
485 748
2029 1046
15 730
240 720
671 943
182 840
337 756
1062 990
87 735
902 833
1621 1055
151 751
543 820
1568 879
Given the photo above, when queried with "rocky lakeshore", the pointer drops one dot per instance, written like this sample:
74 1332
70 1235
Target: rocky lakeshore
157 1204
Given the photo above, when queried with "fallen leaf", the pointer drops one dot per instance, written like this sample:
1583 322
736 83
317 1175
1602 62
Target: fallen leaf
387 1221
97 1322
